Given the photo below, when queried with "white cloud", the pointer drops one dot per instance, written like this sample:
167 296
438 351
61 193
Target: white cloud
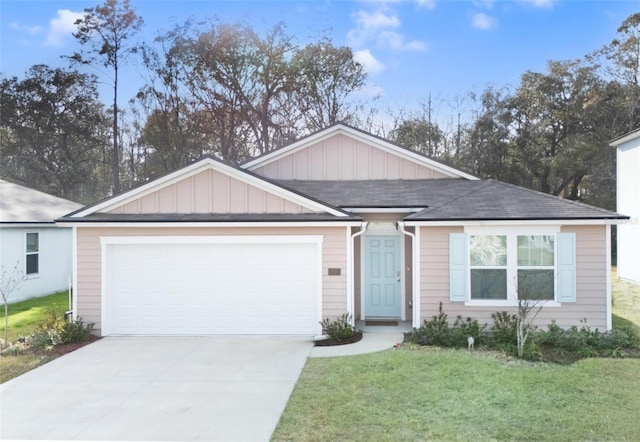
379 26
394 40
31 30
488 4
483 21
427 4
61 27
368 26
368 61
547 4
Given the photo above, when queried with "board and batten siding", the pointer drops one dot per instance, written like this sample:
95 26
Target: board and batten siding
340 157
590 308
89 262
210 192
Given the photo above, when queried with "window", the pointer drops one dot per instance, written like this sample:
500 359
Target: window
499 266
488 259
32 253
536 267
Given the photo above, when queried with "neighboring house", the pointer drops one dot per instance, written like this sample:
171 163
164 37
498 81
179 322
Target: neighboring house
339 221
628 202
30 240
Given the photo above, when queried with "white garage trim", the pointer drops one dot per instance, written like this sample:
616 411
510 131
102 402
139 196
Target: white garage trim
108 242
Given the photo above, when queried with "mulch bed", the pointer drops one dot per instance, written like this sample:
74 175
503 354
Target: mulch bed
330 342
63 349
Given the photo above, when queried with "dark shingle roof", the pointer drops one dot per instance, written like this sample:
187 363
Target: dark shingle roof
450 199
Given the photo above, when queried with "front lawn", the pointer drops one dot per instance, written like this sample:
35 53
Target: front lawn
425 394
25 315
432 394
24 318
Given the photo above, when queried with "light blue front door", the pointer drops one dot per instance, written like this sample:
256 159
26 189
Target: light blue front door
382 274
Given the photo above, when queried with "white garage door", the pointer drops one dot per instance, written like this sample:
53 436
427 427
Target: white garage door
212 285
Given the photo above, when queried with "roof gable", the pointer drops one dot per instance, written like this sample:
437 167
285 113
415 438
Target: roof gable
341 152
19 204
208 186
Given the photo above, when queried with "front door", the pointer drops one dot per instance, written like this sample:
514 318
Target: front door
382 275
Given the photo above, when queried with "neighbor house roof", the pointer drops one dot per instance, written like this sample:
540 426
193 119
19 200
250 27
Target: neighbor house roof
19 204
451 199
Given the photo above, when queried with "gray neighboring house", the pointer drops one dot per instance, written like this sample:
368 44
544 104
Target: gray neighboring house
30 240
628 202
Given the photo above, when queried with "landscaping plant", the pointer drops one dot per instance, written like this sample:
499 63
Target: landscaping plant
338 329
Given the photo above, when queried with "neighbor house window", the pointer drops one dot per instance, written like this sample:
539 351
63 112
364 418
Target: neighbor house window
32 253
494 265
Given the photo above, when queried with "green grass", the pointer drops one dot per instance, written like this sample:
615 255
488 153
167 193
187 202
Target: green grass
23 319
421 394
416 394
24 315
625 302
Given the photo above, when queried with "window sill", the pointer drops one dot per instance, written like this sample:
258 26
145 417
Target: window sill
505 303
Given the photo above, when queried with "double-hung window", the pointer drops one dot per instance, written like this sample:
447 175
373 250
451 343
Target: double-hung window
501 266
32 253
536 267
488 266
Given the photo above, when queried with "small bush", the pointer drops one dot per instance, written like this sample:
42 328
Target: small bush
76 331
438 332
504 329
54 330
339 329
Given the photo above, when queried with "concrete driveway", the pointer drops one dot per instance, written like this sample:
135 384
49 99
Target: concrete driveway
153 388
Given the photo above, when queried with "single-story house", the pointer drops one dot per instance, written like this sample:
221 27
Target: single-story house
340 221
31 243
628 202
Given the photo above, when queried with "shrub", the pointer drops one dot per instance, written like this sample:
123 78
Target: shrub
76 331
339 329
504 329
54 330
438 332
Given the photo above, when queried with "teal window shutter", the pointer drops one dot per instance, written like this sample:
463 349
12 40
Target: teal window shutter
458 267
566 267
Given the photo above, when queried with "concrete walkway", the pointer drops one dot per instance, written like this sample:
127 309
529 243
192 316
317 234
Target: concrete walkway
374 339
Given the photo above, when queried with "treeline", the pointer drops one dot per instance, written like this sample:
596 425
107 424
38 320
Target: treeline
226 90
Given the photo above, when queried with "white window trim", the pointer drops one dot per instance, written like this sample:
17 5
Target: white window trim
512 232
26 253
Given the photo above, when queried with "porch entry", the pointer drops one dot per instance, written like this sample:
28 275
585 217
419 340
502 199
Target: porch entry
382 277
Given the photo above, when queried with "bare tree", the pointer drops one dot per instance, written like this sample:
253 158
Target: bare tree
529 305
10 281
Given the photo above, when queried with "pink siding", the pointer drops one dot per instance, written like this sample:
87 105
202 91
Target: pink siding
88 290
589 308
210 192
344 158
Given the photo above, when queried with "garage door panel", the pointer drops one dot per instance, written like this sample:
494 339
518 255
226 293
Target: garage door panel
242 288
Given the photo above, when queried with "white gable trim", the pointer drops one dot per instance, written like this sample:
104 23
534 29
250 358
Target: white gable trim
364 137
630 136
194 169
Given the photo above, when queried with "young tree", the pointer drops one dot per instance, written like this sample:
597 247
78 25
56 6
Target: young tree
10 282
105 31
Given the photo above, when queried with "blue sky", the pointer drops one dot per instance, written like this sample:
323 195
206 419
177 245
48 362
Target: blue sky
411 49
